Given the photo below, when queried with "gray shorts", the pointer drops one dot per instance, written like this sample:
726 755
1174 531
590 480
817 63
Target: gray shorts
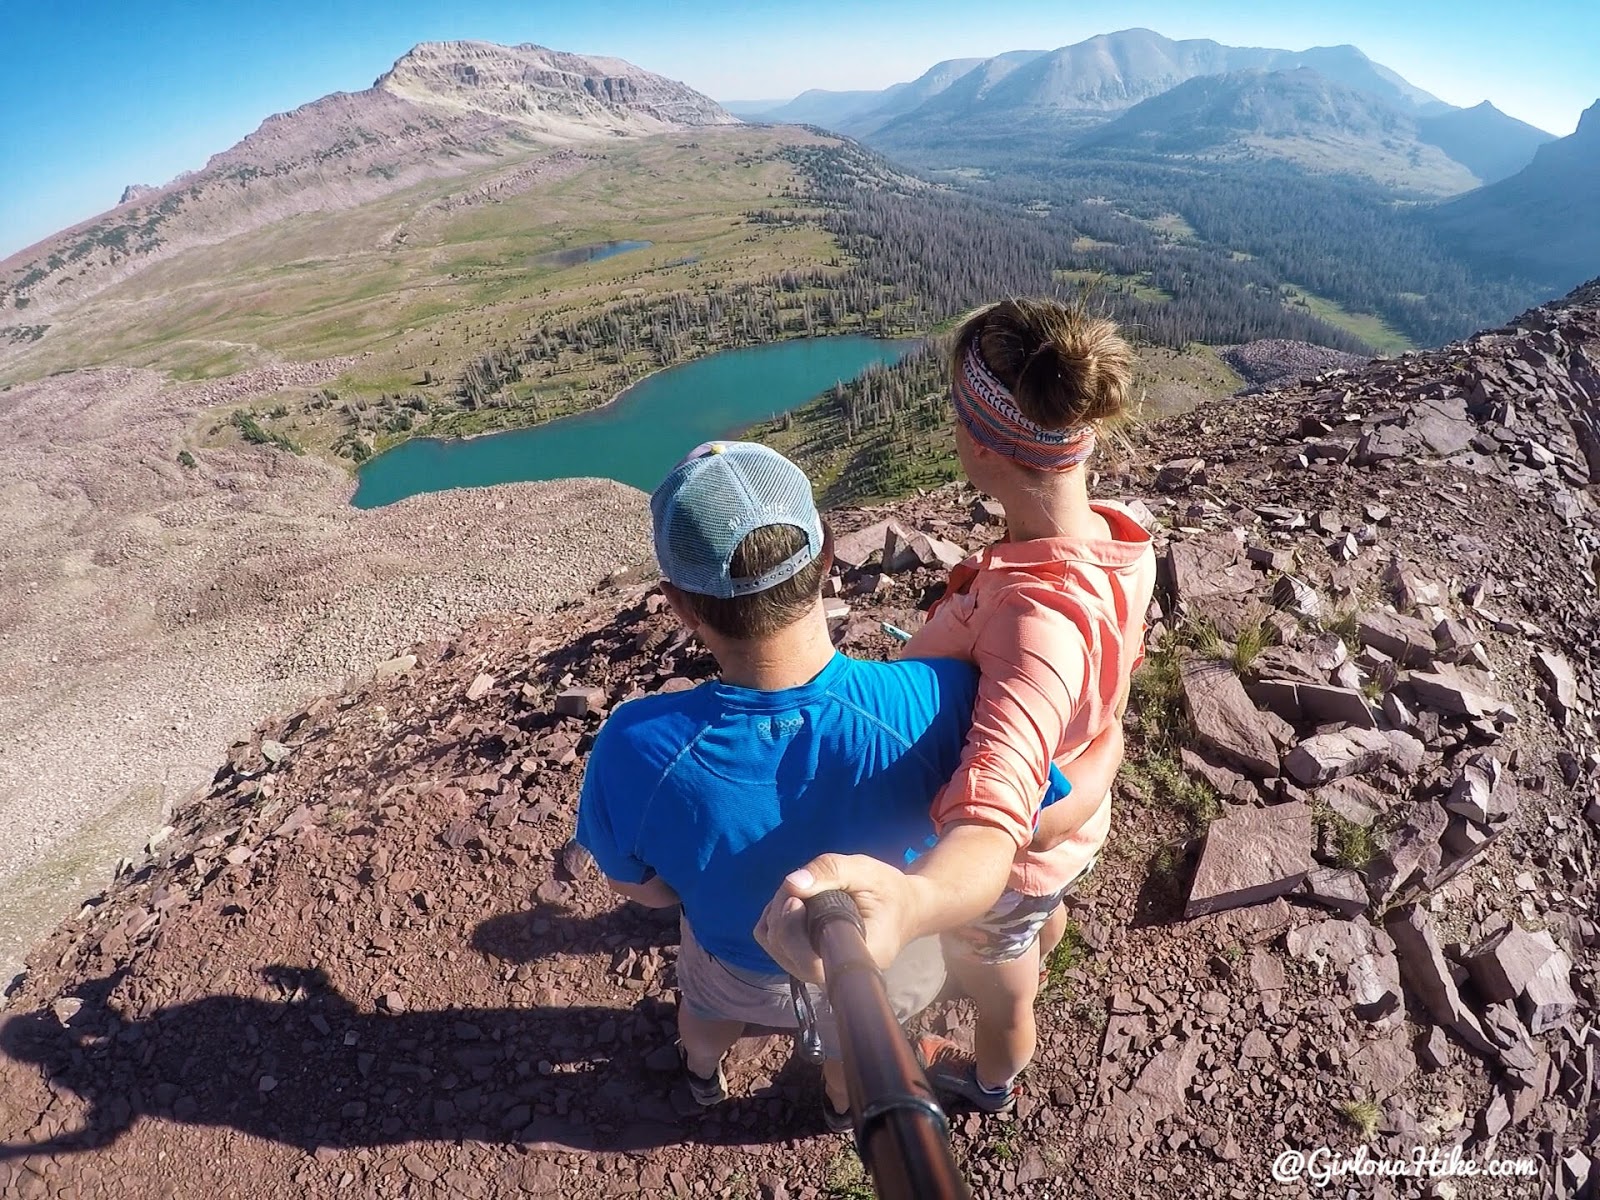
717 991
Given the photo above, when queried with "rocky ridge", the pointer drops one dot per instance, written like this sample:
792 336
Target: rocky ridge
444 109
1349 899
535 85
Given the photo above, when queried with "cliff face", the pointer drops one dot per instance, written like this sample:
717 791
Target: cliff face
444 109
531 84
1355 854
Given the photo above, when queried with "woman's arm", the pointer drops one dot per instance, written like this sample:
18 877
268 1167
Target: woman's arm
652 893
1033 659
1091 774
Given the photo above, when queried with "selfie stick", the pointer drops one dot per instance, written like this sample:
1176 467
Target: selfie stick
901 1132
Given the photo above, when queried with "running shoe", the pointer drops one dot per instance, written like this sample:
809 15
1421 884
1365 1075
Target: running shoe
705 1090
953 1072
836 1121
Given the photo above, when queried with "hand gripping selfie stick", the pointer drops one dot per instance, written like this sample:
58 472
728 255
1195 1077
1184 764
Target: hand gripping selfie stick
901 1132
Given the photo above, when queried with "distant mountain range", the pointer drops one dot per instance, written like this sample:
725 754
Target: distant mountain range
1544 221
1329 107
1299 115
1107 73
443 109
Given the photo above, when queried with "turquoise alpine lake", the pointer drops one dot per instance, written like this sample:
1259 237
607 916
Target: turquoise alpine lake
643 432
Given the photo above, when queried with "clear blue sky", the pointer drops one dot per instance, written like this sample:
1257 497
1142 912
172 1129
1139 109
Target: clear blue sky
97 95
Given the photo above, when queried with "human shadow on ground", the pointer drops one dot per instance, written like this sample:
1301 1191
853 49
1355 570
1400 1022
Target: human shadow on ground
313 1069
523 937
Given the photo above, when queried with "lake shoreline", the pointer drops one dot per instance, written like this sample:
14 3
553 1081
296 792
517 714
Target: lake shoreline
616 396
432 462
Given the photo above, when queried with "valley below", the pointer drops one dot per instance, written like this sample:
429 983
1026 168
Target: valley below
151 609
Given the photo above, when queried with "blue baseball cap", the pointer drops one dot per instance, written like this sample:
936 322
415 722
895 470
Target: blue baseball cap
713 500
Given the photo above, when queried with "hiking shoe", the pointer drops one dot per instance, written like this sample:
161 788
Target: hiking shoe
836 1121
706 1090
952 1071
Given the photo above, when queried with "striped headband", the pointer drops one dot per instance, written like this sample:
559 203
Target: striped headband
989 414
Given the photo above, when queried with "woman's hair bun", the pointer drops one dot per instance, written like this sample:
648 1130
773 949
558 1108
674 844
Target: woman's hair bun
1063 366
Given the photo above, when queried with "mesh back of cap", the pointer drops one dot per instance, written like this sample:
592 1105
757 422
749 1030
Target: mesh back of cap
709 504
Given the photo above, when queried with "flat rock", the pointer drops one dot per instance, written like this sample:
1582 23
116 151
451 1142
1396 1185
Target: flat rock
1496 1115
1461 844
1323 704
1252 855
580 702
1225 719
1453 640
1423 967
1482 791
1561 682
1354 799
1384 1066
1381 445
1412 856
1362 953
987 511
1410 590
1448 691
1337 889
1180 473
1214 580
393 668
905 550
1159 1091
1352 751
853 551
1442 425
1516 964
1404 639
1433 1050
1296 596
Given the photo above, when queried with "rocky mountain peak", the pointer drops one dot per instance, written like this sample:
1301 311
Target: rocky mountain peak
532 82
135 191
442 109
1589 121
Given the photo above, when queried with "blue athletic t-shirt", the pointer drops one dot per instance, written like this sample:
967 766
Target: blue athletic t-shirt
722 791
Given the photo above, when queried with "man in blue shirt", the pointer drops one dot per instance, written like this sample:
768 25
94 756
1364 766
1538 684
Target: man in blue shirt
709 797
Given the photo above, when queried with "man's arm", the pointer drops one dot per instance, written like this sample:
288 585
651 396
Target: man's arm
953 884
598 832
1033 664
653 893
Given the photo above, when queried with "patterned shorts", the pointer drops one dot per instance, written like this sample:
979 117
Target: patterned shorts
1007 931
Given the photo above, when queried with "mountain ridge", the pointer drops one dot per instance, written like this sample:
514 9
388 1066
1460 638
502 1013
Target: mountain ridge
1298 115
1113 71
441 108
1488 142
1541 220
